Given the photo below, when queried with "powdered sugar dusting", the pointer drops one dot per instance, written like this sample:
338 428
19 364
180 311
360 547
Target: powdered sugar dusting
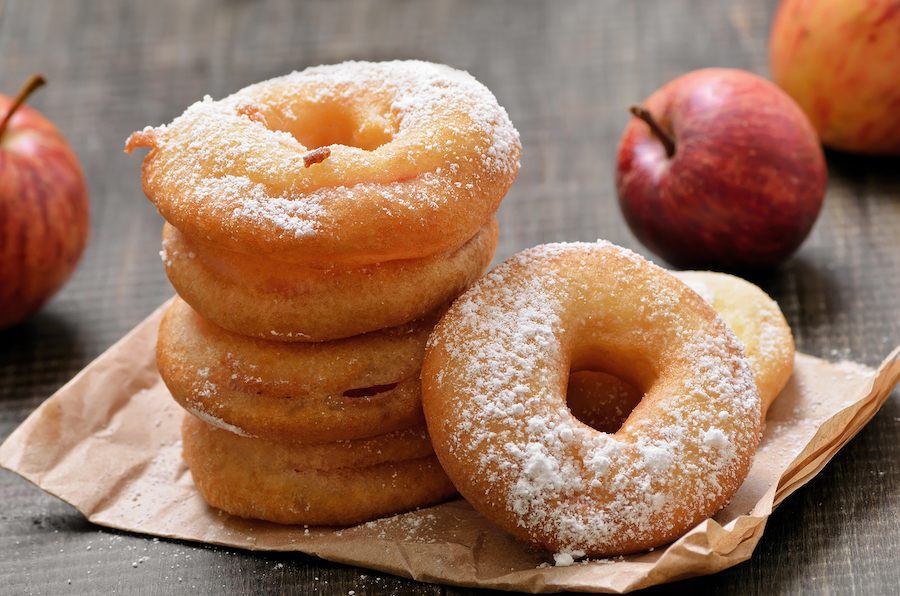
443 138
577 488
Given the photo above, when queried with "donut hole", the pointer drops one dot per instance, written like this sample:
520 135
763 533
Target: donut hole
601 400
608 376
370 391
336 121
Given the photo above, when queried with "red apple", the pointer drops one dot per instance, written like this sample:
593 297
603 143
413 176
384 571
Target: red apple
43 209
840 60
722 171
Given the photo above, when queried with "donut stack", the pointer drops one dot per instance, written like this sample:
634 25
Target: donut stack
318 226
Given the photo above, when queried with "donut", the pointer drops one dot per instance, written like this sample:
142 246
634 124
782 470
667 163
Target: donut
338 483
494 395
270 299
344 389
603 401
758 323
336 166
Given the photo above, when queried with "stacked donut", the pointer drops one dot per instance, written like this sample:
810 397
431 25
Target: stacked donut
318 225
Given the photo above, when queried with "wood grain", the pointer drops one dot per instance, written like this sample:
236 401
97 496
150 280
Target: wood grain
566 72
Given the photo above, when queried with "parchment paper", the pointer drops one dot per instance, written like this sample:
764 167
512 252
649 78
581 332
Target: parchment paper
108 442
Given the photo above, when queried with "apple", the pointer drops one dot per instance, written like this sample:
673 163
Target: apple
720 169
840 60
44 218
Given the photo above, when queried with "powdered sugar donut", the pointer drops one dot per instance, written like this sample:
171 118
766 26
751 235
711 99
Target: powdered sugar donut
351 388
343 165
271 299
337 483
494 382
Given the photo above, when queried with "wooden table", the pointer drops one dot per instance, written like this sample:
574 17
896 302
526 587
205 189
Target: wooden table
566 72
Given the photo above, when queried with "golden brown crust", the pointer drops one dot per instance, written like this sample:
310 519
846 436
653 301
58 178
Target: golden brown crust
493 390
269 299
338 484
344 389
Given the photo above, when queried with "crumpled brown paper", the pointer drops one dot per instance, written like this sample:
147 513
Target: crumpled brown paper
109 443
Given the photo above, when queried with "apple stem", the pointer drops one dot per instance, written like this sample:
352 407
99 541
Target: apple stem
27 89
664 135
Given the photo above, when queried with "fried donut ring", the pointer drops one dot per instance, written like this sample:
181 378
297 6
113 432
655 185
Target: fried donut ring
493 390
339 483
758 323
346 389
604 402
272 299
343 165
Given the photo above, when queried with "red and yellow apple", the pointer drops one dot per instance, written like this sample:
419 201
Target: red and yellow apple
721 170
44 219
840 60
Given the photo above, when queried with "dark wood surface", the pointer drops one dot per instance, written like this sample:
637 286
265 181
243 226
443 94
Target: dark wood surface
566 72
